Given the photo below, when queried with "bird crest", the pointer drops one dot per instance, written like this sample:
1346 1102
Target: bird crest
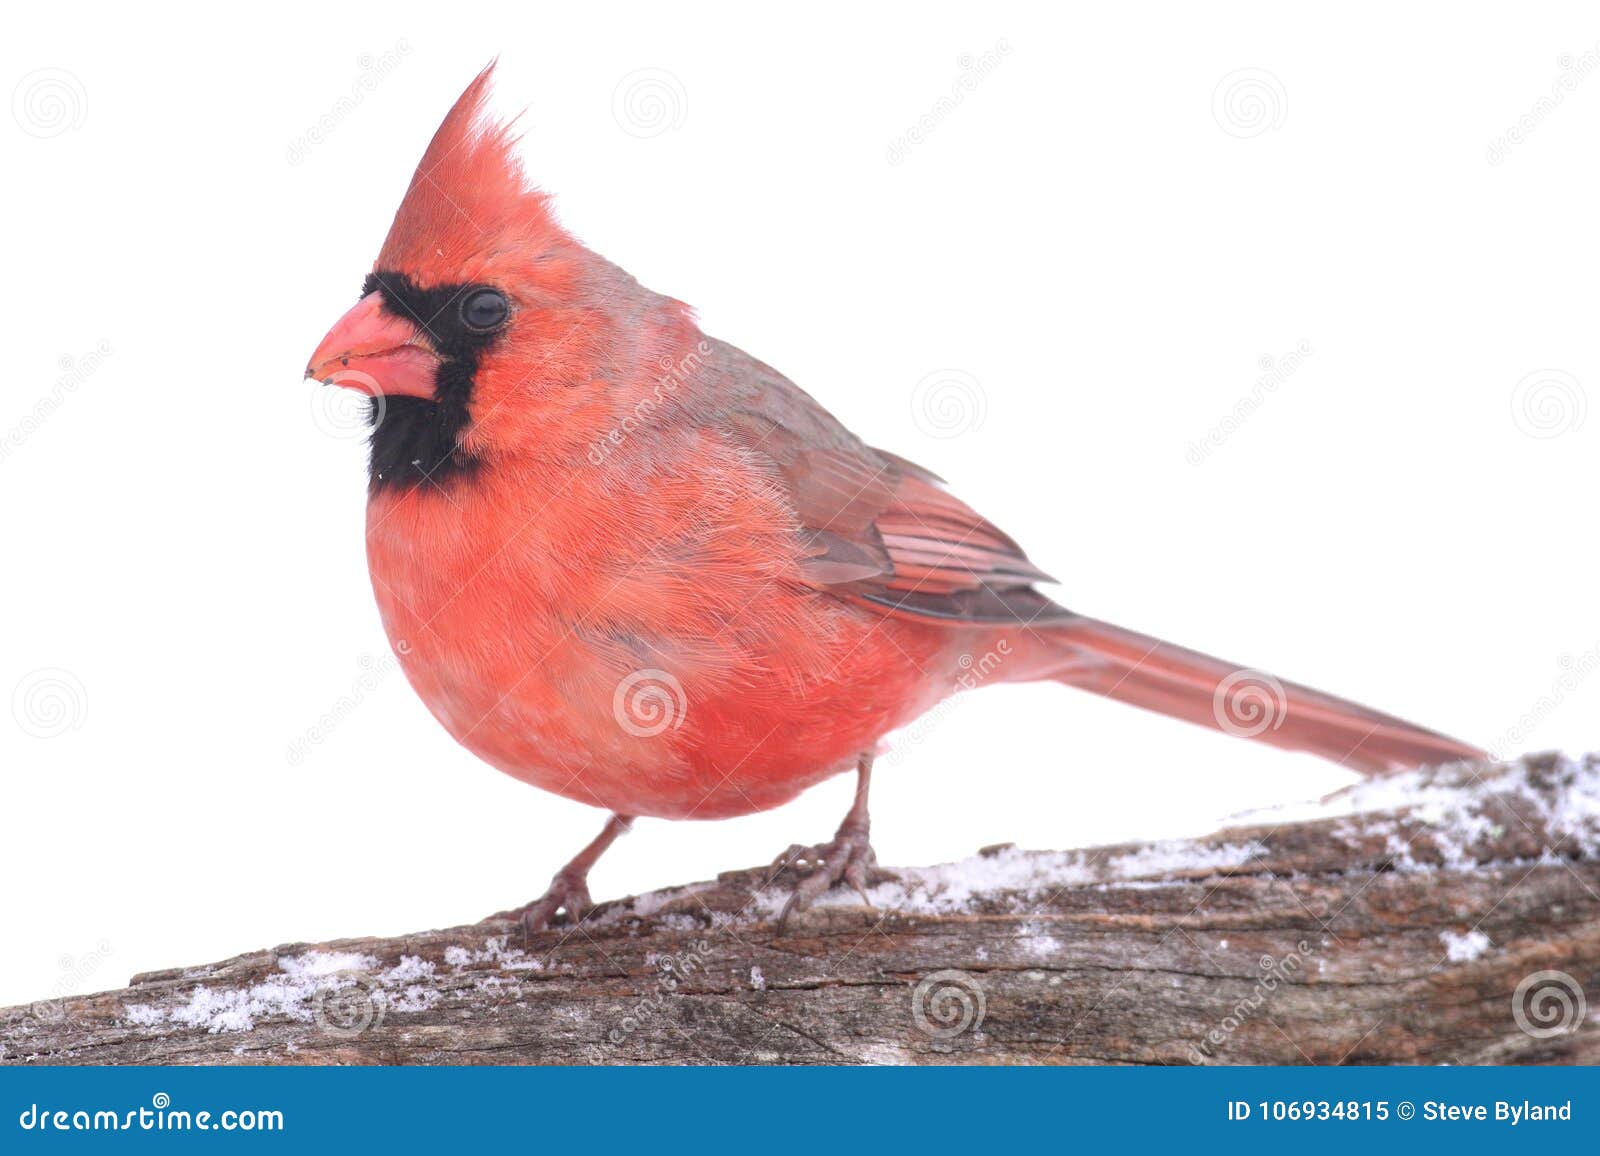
469 198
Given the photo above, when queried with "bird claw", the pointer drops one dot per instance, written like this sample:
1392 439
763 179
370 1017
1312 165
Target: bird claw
798 853
568 891
847 858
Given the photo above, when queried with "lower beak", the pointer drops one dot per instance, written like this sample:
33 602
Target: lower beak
373 351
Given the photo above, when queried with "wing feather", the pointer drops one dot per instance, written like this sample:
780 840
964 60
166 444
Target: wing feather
876 527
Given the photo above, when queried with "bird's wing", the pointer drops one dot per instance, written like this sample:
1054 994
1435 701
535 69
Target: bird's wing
876 527
882 530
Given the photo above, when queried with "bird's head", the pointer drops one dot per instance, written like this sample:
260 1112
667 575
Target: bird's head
480 326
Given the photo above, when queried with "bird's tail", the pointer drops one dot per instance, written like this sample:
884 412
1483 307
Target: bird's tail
1171 680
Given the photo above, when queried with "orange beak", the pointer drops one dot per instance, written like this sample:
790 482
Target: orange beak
373 351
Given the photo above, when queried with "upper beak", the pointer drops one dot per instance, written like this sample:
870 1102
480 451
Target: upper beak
372 350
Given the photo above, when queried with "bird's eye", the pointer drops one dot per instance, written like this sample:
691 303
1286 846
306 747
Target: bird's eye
484 309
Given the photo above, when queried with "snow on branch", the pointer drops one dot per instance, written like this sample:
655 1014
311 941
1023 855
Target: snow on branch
1449 915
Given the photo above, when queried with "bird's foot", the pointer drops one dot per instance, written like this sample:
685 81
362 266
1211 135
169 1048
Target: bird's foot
569 891
847 858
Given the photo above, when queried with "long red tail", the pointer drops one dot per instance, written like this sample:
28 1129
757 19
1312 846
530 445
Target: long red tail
1147 672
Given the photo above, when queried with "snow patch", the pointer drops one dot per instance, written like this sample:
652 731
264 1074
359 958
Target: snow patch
1175 857
408 970
1464 947
953 888
144 1016
1037 941
1456 812
292 996
1021 877
493 953
302 982
316 964
1454 802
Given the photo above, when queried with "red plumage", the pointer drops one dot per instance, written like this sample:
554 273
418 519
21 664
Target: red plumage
632 565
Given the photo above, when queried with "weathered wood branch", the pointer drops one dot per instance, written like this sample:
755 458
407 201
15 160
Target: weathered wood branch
1450 916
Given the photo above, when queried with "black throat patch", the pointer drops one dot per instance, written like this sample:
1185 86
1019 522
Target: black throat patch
416 439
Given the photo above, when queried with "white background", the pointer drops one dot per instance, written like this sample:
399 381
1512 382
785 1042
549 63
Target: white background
1093 233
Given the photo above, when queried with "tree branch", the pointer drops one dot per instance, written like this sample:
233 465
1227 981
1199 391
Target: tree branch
1398 931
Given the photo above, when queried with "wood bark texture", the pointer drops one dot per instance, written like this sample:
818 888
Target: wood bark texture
1445 916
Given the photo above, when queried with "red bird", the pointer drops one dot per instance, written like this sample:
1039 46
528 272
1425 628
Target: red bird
630 564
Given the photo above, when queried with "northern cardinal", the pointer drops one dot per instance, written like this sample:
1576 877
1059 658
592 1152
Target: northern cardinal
631 564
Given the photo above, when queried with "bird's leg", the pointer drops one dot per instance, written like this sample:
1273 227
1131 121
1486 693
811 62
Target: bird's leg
570 887
847 858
